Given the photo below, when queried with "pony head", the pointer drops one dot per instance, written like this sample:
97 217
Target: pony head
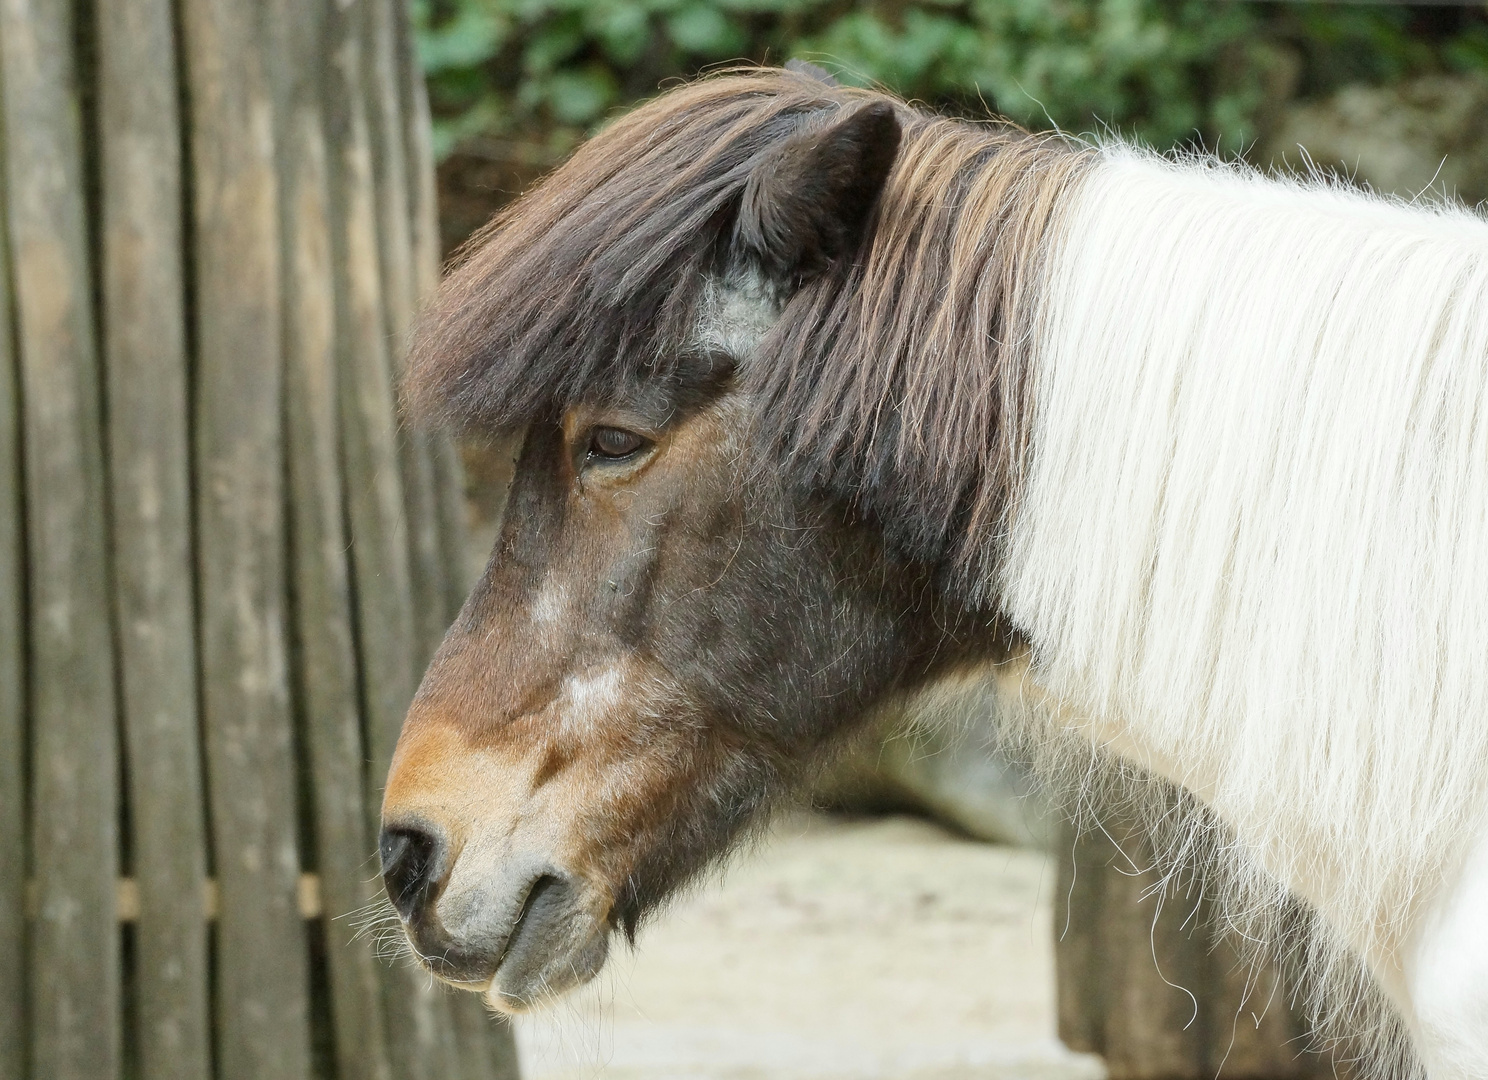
755 500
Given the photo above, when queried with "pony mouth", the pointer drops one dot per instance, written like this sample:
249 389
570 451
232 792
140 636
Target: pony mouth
553 945
521 936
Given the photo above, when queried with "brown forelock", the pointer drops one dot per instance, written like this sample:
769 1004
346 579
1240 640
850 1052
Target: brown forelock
896 381
592 279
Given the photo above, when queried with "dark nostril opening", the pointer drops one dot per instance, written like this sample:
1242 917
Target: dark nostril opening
410 858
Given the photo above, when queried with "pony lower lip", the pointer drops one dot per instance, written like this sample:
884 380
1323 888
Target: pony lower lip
539 885
471 976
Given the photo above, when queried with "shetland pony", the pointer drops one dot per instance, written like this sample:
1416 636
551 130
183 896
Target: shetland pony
834 405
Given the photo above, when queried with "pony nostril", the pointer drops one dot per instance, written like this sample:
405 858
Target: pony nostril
410 859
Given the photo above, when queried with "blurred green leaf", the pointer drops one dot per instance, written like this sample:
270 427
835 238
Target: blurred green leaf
622 30
579 97
1165 71
1470 51
553 42
705 30
472 37
770 7
450 132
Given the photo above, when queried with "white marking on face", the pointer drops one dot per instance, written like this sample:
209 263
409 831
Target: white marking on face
738 310
549 604
590 697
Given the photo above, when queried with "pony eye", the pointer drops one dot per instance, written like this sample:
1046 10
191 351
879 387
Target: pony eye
614 443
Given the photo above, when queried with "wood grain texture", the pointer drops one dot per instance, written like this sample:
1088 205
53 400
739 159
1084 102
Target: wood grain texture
262 984
1152 986
420 1032
426 552
74 954
12 682
382 83
325 650
462 567
487 1047
423 185
459 575
145 361
374 489
402 280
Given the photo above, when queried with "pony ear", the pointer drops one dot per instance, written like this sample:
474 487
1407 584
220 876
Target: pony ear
806 204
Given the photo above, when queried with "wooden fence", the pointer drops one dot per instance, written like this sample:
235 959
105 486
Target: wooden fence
222 563
1146 981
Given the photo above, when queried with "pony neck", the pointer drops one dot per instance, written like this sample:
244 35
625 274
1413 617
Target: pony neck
1248 548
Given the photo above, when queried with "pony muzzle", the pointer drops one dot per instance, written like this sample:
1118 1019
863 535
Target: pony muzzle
526 935
487 882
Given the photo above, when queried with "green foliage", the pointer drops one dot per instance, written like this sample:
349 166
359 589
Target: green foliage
1167 71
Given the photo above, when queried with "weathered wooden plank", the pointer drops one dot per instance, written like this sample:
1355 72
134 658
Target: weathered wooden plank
374 490
383 85
402 280
1077 905
1161 996
330 708
488 1050
12 682
423 186
459 573
262 986
1252 1032
74 958
419 1028
1152 1026
426 551
462 567
145 361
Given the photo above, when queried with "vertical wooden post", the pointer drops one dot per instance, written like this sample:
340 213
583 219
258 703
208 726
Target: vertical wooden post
374 490
449 479
382 81
1125 977
325 646
145 360
423 188
1150 985
12 680
262 984
402 279
420 1034
74 957
488 1050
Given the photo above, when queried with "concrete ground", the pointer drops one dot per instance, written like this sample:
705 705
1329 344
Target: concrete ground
875 949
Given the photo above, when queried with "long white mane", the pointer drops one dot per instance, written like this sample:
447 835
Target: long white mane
1251 549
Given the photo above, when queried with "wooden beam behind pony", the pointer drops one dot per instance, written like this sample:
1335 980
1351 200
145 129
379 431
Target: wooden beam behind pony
831 403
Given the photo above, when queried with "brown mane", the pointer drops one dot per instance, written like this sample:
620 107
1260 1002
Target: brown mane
896 381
